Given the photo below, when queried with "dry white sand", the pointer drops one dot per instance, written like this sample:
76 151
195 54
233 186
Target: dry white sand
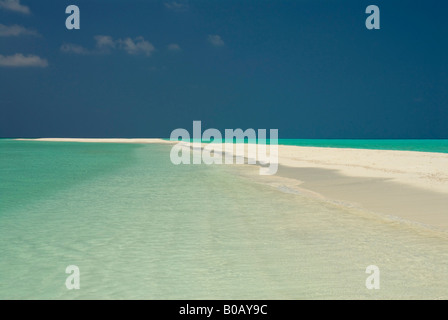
418 169
405 184
425 170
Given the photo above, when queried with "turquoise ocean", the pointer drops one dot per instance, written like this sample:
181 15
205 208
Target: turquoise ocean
139 227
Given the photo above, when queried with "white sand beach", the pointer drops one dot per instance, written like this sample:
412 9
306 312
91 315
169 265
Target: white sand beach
418 169
100 140
402 184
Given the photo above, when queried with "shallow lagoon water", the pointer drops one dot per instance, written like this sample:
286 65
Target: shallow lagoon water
139 227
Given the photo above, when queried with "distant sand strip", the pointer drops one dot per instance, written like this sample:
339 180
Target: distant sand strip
105 140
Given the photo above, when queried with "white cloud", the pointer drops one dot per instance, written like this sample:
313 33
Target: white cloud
177 6
215 40
137 46
14 5
103 45
15 31
74 48
104 42
19 60
174 47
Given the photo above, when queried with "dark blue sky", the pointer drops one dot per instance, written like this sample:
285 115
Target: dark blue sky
308 68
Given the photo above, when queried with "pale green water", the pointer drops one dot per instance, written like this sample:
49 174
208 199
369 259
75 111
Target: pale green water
139 227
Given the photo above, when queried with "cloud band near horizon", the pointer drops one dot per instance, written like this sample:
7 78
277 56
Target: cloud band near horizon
19 60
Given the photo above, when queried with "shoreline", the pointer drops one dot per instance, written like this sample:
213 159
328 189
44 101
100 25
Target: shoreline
410 185
379 196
